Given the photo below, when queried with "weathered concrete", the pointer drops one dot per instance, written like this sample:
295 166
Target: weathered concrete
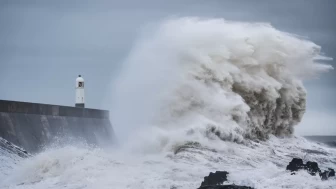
32 125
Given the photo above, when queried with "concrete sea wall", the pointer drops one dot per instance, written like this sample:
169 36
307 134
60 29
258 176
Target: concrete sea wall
32 126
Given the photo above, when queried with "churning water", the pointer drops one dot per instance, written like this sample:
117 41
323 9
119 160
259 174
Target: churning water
194 96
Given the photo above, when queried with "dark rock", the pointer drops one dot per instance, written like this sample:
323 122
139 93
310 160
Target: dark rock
295 165
216 180
327 174
311 167
226 187
331 172
324 175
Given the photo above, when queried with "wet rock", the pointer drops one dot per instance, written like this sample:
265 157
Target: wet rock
215 178
331 172
226 187
216 181
295 165
311 167
327 174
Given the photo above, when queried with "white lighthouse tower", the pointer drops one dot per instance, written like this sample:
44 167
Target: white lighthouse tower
80 100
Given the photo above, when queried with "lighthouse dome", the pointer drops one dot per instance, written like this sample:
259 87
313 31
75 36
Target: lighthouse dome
79 79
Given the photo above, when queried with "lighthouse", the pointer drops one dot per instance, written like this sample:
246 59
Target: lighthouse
80 100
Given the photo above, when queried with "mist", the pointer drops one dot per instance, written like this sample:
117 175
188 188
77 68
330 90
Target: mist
44 45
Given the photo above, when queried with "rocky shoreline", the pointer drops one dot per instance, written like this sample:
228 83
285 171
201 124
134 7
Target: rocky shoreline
219 179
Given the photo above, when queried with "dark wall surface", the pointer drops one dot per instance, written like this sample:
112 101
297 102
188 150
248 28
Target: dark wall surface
33 126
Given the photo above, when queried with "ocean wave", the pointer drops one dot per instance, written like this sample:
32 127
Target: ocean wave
195 96
194 78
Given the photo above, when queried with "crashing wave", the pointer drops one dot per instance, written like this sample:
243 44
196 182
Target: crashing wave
10 155
216 79
10 148
185 88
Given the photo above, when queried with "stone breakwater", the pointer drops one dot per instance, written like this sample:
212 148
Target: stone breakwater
33 126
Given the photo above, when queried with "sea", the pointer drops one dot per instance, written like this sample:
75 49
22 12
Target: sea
195 96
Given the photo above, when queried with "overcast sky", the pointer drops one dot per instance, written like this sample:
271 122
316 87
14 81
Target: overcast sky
45 44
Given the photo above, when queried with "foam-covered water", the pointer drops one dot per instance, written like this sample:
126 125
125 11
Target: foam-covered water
194 96
261 165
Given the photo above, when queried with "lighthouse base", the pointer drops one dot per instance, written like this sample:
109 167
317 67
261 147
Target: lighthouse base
80 105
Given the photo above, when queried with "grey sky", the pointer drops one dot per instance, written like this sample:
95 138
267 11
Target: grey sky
45 44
